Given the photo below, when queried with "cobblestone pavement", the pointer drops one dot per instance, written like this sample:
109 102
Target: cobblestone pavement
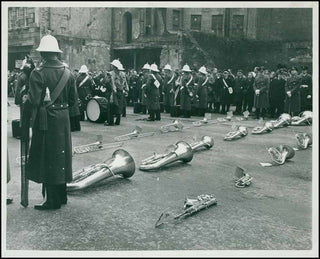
120 214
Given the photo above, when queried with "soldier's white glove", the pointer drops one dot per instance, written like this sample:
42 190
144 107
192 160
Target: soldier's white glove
257 92
289 93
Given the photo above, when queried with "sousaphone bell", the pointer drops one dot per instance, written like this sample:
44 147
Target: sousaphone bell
284 120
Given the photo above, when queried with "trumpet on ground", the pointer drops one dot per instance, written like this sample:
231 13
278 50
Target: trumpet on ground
206 142
202 122
180 151
303 140
95 146
121 163
240 132
266 128
281 153
136 133
304 119
172 127
283 121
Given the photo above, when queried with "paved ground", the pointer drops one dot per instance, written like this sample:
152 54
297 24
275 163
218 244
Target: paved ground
120 214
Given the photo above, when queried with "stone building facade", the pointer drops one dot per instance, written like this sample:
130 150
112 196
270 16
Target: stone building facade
94 36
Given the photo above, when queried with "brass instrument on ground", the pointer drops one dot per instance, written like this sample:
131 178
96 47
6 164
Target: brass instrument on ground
95 146
121 163
206 142
136 133
240 132
244 179
266 128
304 119
172 127
303 140
283 121
202 122
281 153
180 151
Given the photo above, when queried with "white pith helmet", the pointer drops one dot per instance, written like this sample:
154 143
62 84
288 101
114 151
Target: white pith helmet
121 67
48 43
146 66
186 68
83 69
116 63
168 67
154 67
203 70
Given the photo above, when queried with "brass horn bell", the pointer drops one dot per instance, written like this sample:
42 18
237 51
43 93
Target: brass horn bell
121 163
303 140
281 153
267 127
206 142
240 132
172 127
283 121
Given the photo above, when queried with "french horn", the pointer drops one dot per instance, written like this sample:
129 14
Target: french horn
281 153
121 163
206 142
181 151
303 140
284 120
136 133
266 128
172 127
240 132
304 119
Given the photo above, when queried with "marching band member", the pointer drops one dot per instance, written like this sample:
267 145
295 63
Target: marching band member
292 101
261 89
168 88
226 83
202 92
187 82
144 78
153 93
306 90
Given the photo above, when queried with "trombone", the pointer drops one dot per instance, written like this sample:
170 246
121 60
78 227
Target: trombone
136 133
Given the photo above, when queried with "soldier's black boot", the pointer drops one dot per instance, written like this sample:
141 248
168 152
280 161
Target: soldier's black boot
118 118
151 118
53 201
158 115
63 194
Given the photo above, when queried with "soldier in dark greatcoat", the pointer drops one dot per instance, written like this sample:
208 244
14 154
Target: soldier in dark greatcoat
153 93
277 94
168 88
306 90
248 93
186 91
261 97
51 92
292 102
238 91
226 83
144 78
202 91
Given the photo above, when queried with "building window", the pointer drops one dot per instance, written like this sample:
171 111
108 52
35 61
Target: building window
217 24
237 25
196 22
20 17
176 20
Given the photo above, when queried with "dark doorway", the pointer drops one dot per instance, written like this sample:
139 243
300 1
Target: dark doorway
127 22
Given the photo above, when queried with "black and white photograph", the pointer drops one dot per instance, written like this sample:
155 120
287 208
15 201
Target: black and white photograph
159 129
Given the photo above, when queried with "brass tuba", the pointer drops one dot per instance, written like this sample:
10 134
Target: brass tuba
121 163
303 140
136 133
181 151
172 127
240 132
206 142
267 127
283 121
305 118
281 153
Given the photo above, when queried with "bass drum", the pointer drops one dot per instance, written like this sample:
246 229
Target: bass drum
97 109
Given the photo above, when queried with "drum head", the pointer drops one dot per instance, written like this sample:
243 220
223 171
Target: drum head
93 110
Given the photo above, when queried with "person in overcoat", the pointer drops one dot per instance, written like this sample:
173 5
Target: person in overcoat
216 89
277 94
261 90
292 103
187 83
226 84
50 156
168 88
153 93
238 93
144 78
248 93
306 90
202 91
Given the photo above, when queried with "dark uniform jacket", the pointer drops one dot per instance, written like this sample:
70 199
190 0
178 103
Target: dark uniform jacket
238 89
306 80
277 92
226 97
50 156
168 89
202 91
118 84
293 103
153 92
186 91
85 90
261 82
21 88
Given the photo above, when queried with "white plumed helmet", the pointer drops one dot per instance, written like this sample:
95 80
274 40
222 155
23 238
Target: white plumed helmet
154 67
48 43
83 69
186 68
146 66
168 67
203 70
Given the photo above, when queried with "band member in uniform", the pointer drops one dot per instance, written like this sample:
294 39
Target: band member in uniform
133 90
248 93
153 93
51 91
202 91
125 90
168 88
116 98
216 92
144 78
292 101
85 87
306 90
261 89
187 82
226 87
277 94
239 85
